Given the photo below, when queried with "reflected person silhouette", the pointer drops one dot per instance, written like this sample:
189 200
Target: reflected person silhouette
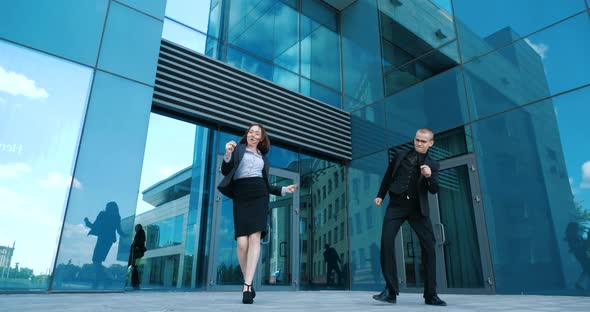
105 227
332 258
579 246
136 252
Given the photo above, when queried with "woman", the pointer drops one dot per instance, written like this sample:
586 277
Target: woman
245 168
136 252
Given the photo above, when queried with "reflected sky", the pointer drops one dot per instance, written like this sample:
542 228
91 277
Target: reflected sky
42 103
169 149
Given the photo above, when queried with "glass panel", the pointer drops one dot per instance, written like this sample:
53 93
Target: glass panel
361 52
164 233
536 204
438 103
275 256
487 25
42 104
285 78
161 272
131 44
416 26
321 93
44 25
368 130
364 178
323 224
320 36
425 67
189 38
228 267
283 158
191 13
448 144
541 65
265 28
108 173
155 8
171 188
461 248
249 63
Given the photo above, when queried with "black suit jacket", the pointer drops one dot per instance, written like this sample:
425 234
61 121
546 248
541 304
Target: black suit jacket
425 185
229 170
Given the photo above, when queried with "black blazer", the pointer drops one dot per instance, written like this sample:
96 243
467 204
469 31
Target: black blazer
425 185
229 170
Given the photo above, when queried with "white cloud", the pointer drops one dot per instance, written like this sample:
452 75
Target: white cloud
13 170
57 180
19 84
540 48
585 184
571 181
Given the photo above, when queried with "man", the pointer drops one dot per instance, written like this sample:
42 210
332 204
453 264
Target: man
332 258
408 179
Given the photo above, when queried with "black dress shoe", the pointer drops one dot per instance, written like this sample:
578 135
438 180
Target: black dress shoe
434 300
386 295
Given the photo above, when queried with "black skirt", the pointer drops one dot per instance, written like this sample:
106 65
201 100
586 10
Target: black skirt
250 206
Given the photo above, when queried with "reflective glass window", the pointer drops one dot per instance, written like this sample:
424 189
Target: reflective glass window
541 65
535 178
130 44
43 25
189 38
154 8
437 103
42 104
194 14
361 52
369 132
364 178
484 26
416 26
98 225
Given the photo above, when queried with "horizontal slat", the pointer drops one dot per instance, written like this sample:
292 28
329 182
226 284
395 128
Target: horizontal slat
201 88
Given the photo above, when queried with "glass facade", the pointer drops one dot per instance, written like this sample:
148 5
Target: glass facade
85 156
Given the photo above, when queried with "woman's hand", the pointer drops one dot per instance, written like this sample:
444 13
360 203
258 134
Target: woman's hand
229 147
291 188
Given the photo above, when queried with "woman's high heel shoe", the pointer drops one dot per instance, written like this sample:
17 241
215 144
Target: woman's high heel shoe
247 296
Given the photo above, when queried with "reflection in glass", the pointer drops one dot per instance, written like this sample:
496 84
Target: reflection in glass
483 26
42 104
531 69
529 200
323 218
438 103
170 202
368 130
189 38
414 28
423 68
364 177
461 249
192 13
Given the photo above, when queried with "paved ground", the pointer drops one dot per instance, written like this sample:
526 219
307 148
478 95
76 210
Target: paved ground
309 301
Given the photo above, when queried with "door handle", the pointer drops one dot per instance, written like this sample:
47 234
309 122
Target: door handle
283 249
442 233
410 247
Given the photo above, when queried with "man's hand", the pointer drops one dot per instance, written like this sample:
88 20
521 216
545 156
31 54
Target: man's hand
378 201
425 170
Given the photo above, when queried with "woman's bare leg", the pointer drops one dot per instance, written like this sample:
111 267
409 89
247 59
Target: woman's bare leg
253 253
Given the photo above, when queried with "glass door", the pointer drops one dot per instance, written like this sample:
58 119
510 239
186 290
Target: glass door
279 250
463 259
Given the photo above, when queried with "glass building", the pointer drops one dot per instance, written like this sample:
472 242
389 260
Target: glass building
115 113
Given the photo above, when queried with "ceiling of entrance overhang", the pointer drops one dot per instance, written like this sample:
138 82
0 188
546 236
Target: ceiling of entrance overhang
339 4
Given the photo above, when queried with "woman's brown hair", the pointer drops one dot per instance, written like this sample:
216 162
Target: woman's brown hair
263 145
